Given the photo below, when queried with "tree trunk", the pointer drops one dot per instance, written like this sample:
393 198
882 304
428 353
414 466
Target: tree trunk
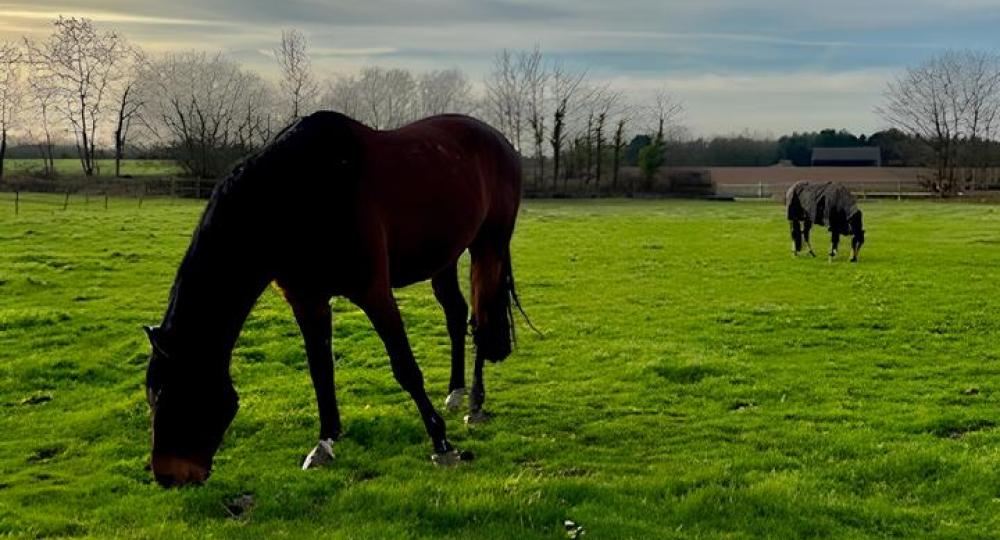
589 149
120 133
556 140
86 156
616 164
555 167
597 177
3 150
118 153
50 153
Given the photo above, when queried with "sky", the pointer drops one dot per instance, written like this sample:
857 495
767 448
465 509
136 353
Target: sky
764 67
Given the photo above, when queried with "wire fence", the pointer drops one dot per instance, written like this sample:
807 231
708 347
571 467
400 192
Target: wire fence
20 194
863 190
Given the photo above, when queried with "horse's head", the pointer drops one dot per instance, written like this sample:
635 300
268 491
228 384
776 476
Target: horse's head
190 410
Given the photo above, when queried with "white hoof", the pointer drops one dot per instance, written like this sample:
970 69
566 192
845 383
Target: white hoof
450 458
454 400
320 456
477 417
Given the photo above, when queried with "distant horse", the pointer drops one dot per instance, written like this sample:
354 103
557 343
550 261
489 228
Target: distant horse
334 208
829 204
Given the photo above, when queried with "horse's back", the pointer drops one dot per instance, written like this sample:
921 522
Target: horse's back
436 184
418 196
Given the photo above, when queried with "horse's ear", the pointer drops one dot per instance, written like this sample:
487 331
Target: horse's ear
154 335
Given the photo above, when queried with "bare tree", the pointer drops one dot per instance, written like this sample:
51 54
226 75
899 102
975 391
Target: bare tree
388 98
297 82
81 61
258 117
564 86
535 75
129 99
343 94
208 110
444 91
505 95
400 97
11 93
618 146
619 112
43 95
604 104
383 98
665 110
951 100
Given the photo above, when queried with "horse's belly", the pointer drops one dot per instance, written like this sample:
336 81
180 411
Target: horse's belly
421 261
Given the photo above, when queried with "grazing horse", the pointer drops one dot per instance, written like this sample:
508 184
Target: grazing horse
827 204
334 208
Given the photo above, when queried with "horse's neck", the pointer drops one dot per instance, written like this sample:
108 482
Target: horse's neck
217 285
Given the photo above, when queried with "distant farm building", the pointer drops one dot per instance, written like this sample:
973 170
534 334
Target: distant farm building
864 156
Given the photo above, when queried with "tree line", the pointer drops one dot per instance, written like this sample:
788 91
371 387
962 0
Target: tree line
95 91
897 148
98 92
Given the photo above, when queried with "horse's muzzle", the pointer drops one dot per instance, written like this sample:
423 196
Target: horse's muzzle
172 471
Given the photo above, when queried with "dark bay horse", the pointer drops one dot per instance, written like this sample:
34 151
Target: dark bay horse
334 208
829 204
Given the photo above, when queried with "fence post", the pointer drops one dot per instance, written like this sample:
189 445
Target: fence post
17 202
105 200
142 193
899 190
66 202
197 189
760 190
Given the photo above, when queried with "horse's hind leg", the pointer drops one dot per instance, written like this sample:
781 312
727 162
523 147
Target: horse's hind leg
315 321
456 312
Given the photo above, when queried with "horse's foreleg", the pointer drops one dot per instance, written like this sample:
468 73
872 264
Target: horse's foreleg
834 243
806 227
315 321
380 306
456 312
796 230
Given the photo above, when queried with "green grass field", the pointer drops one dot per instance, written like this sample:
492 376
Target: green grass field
106 167
694 381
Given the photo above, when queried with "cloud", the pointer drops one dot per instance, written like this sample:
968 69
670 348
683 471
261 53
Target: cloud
776 103
774 64
101 16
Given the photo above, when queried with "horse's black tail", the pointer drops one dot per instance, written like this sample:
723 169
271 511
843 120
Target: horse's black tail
494 297
514 300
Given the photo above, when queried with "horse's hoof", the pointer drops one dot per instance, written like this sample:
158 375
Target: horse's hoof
476 417
451 457
812 253
320 456
454 400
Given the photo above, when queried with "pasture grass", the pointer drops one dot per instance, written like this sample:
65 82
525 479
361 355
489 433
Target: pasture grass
70 167
694 381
